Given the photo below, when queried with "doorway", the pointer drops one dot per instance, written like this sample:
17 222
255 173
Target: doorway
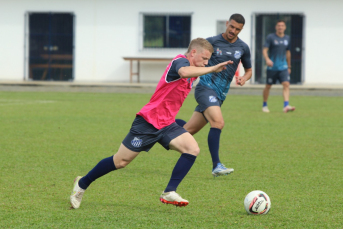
50 39
264 24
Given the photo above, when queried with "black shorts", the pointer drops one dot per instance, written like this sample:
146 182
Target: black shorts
273 76
143 135
206 97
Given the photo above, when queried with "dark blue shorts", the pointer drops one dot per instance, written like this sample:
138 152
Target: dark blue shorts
281 76
206 97
143 135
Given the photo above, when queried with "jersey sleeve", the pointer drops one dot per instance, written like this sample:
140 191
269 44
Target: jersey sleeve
173 73
210 39
246 57
268 41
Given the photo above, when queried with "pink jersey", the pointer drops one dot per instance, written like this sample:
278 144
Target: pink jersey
167 99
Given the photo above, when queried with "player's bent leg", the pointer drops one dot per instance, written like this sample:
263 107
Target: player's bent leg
123 157
185 143
189 149
215 117
196 123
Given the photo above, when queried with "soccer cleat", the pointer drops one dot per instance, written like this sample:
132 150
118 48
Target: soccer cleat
77 193
265 109
288 108
221 170
173 198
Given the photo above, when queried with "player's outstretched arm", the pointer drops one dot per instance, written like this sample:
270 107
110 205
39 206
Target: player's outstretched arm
240 80
192 71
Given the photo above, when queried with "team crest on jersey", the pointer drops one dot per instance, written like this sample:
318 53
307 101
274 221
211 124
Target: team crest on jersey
285 42
136 142
219 52
238 54
212 99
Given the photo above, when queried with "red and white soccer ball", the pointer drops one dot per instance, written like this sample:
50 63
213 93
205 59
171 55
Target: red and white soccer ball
257 203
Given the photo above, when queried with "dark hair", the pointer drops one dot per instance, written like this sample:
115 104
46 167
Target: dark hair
278 21
238 18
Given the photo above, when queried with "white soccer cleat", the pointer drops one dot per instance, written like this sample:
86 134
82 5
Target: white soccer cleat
265 109
173 198
288 108
77 194
221 170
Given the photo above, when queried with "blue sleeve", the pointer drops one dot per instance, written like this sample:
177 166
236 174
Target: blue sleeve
173 73
246 58
267 42
210 39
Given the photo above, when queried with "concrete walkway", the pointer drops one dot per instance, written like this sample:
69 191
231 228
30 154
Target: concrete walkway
108 87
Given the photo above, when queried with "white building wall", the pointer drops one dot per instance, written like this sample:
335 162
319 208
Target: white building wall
107 30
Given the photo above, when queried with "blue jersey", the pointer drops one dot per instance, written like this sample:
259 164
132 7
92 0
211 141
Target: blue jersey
225 51
277 51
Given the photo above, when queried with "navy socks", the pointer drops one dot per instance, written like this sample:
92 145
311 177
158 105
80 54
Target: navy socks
180 122
103 167
213 145
182 167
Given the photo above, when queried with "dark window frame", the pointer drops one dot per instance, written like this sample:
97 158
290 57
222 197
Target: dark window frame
166 37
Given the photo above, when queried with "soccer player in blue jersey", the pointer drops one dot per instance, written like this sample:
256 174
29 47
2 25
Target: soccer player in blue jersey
279 64
212 88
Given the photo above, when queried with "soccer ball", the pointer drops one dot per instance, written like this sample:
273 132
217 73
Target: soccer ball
257 203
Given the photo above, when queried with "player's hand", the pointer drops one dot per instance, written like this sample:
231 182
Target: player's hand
269 63
222 66
289 71
240 80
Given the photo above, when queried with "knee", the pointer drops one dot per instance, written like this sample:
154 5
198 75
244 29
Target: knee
218 124
194 151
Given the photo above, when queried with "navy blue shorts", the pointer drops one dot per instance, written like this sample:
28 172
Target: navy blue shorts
206 97
143 135
273 76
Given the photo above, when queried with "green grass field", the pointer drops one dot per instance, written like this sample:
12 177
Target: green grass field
48 138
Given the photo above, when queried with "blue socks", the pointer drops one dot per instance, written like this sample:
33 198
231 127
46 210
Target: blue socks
285 103
103 167
213 145
180 122
183 165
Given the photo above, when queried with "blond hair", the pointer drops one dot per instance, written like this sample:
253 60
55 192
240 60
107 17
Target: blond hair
200 43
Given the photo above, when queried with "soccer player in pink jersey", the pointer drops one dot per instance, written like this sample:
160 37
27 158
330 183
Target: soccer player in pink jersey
155 122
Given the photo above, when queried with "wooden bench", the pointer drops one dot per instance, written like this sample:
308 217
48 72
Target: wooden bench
139 59
50 58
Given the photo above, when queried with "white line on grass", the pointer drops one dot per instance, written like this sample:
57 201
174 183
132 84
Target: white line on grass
6 102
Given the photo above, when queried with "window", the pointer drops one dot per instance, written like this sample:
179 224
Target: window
166 30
